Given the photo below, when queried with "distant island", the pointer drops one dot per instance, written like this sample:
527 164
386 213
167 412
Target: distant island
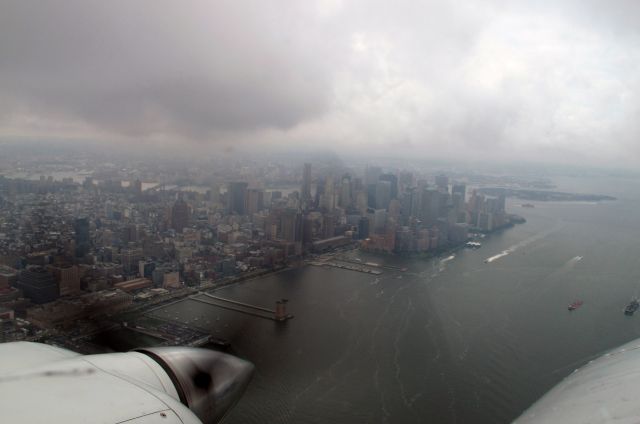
543 195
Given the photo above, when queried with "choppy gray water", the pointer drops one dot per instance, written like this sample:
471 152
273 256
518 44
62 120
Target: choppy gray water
453 339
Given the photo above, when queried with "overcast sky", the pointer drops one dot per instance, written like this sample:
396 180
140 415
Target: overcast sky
556 80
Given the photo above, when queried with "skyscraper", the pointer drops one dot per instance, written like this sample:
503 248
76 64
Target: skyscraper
442 183
371 174
328 200
383 194
179 215
459 189
345 192
306 185
255 201
136 187
291 225
393 182
236 194
82 238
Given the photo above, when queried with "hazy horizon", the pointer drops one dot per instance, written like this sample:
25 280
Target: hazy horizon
502 81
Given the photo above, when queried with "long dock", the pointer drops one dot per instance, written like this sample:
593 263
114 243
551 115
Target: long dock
347 266
235 302
371 264
233 308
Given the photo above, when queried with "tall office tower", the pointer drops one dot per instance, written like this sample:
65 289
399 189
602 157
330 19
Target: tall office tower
460 189
358 185
305 193
130 259
371 174
371 195
291 225
428 205
82 238
136 187
405 181
320 184
363 228
179 215
307 230
379 221
393 181
328 226
328 199
473 205
130 233
236 194
406 204
38 285
502 202
442 183
383 194
361 201
394 209
255 201
214 193
345 192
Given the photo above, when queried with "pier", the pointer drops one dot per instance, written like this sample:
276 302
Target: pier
372 264
279 314
349 266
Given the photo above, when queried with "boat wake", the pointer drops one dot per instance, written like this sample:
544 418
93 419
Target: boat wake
499 255
521 244
442 265
448 258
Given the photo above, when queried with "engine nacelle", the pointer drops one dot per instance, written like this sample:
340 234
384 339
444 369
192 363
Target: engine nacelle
42 383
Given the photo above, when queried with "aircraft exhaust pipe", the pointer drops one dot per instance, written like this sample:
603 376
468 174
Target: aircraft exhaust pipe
209 383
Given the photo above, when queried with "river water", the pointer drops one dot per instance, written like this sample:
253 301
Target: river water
453 339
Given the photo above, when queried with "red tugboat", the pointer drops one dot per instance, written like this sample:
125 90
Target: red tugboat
575 305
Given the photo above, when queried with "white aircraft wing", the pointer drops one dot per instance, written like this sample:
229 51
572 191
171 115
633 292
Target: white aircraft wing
45 384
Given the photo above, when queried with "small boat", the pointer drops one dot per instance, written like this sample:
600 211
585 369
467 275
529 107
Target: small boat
575 305
632 307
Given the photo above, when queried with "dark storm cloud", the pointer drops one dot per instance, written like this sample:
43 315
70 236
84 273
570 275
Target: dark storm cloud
494 77
145 66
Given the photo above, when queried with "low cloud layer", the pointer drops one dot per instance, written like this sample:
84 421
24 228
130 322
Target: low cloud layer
527 80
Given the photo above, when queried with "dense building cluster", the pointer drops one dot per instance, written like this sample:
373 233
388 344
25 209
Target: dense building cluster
103 244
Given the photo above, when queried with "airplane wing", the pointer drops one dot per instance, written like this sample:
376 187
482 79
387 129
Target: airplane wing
606 390
41 383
